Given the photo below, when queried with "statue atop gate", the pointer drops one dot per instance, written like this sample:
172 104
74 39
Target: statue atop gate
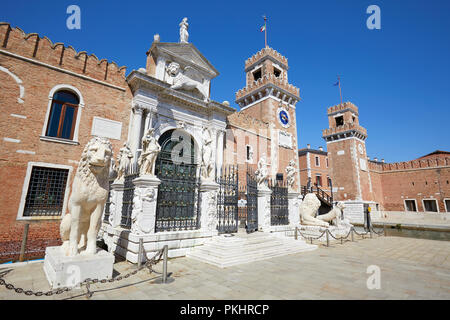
150 151
207 161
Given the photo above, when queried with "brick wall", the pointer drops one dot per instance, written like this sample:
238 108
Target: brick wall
37 65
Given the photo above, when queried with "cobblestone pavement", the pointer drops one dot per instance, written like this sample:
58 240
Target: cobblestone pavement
410 269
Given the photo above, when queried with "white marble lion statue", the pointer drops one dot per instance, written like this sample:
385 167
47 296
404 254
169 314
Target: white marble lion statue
188 79
90 186
308 210
335 215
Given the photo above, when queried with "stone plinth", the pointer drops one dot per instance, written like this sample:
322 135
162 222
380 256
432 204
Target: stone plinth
115 207
63 271
143 216
208 206
264 208
294 214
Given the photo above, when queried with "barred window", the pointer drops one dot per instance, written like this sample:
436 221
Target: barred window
45 196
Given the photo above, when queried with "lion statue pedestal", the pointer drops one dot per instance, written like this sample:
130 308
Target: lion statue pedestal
79 258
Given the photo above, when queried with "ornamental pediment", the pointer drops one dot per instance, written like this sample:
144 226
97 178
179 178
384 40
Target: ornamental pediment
185 54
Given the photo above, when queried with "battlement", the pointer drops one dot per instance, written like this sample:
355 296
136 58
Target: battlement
344 128
264 80
32 46
408 165
263 53
342 107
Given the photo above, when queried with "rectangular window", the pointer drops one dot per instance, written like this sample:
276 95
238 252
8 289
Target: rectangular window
326 159
319 180
61 123
430 205
46 189
339 121
329 181
317 162
410 205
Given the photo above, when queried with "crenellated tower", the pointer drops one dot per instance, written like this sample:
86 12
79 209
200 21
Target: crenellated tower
267 96
347 154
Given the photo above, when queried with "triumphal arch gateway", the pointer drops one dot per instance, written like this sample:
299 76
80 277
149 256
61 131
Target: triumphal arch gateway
193 168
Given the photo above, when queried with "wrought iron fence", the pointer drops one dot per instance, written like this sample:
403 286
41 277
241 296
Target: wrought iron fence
128 194
252 202
279 203
108 203
227 200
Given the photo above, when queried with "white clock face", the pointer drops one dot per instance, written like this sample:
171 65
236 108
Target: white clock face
361 148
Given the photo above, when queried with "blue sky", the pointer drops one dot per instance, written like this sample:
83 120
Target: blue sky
397 76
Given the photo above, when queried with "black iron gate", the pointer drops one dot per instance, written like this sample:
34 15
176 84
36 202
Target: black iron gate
227 200
252 202
178 195
279 203
128 195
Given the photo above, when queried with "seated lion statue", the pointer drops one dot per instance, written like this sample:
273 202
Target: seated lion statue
79 227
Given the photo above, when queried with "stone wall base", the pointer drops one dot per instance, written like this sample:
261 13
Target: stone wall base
125 244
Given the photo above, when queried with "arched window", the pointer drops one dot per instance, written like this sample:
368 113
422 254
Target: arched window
63 115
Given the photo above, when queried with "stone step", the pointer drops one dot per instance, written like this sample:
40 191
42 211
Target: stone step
225 251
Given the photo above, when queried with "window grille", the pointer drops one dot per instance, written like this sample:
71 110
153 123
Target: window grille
45 196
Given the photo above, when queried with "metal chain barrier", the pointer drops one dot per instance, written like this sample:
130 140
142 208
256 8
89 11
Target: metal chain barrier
149 265
342 238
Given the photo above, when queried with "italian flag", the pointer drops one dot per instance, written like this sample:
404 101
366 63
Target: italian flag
263 28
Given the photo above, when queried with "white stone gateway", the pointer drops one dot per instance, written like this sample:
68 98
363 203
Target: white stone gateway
79 258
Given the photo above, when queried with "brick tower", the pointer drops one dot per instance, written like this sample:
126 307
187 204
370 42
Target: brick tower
347 157
269 97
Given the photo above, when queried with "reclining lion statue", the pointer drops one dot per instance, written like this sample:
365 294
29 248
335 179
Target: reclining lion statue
90 187
308 210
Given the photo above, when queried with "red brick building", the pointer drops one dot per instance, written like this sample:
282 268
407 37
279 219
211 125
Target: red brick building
53 100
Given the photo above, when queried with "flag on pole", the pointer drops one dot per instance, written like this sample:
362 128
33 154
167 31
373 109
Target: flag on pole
263 27
336 84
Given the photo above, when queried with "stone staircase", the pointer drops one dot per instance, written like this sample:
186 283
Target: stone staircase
230 250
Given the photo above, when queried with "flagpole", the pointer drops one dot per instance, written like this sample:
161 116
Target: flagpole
265 30
340 93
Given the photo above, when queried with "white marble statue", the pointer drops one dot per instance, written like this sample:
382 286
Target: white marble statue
308 211
262 173
150 151
188 79
207 161
124 160
90 186
335 216
290 174
138 225
184 35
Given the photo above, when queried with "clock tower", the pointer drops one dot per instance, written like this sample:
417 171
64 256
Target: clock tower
268 97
